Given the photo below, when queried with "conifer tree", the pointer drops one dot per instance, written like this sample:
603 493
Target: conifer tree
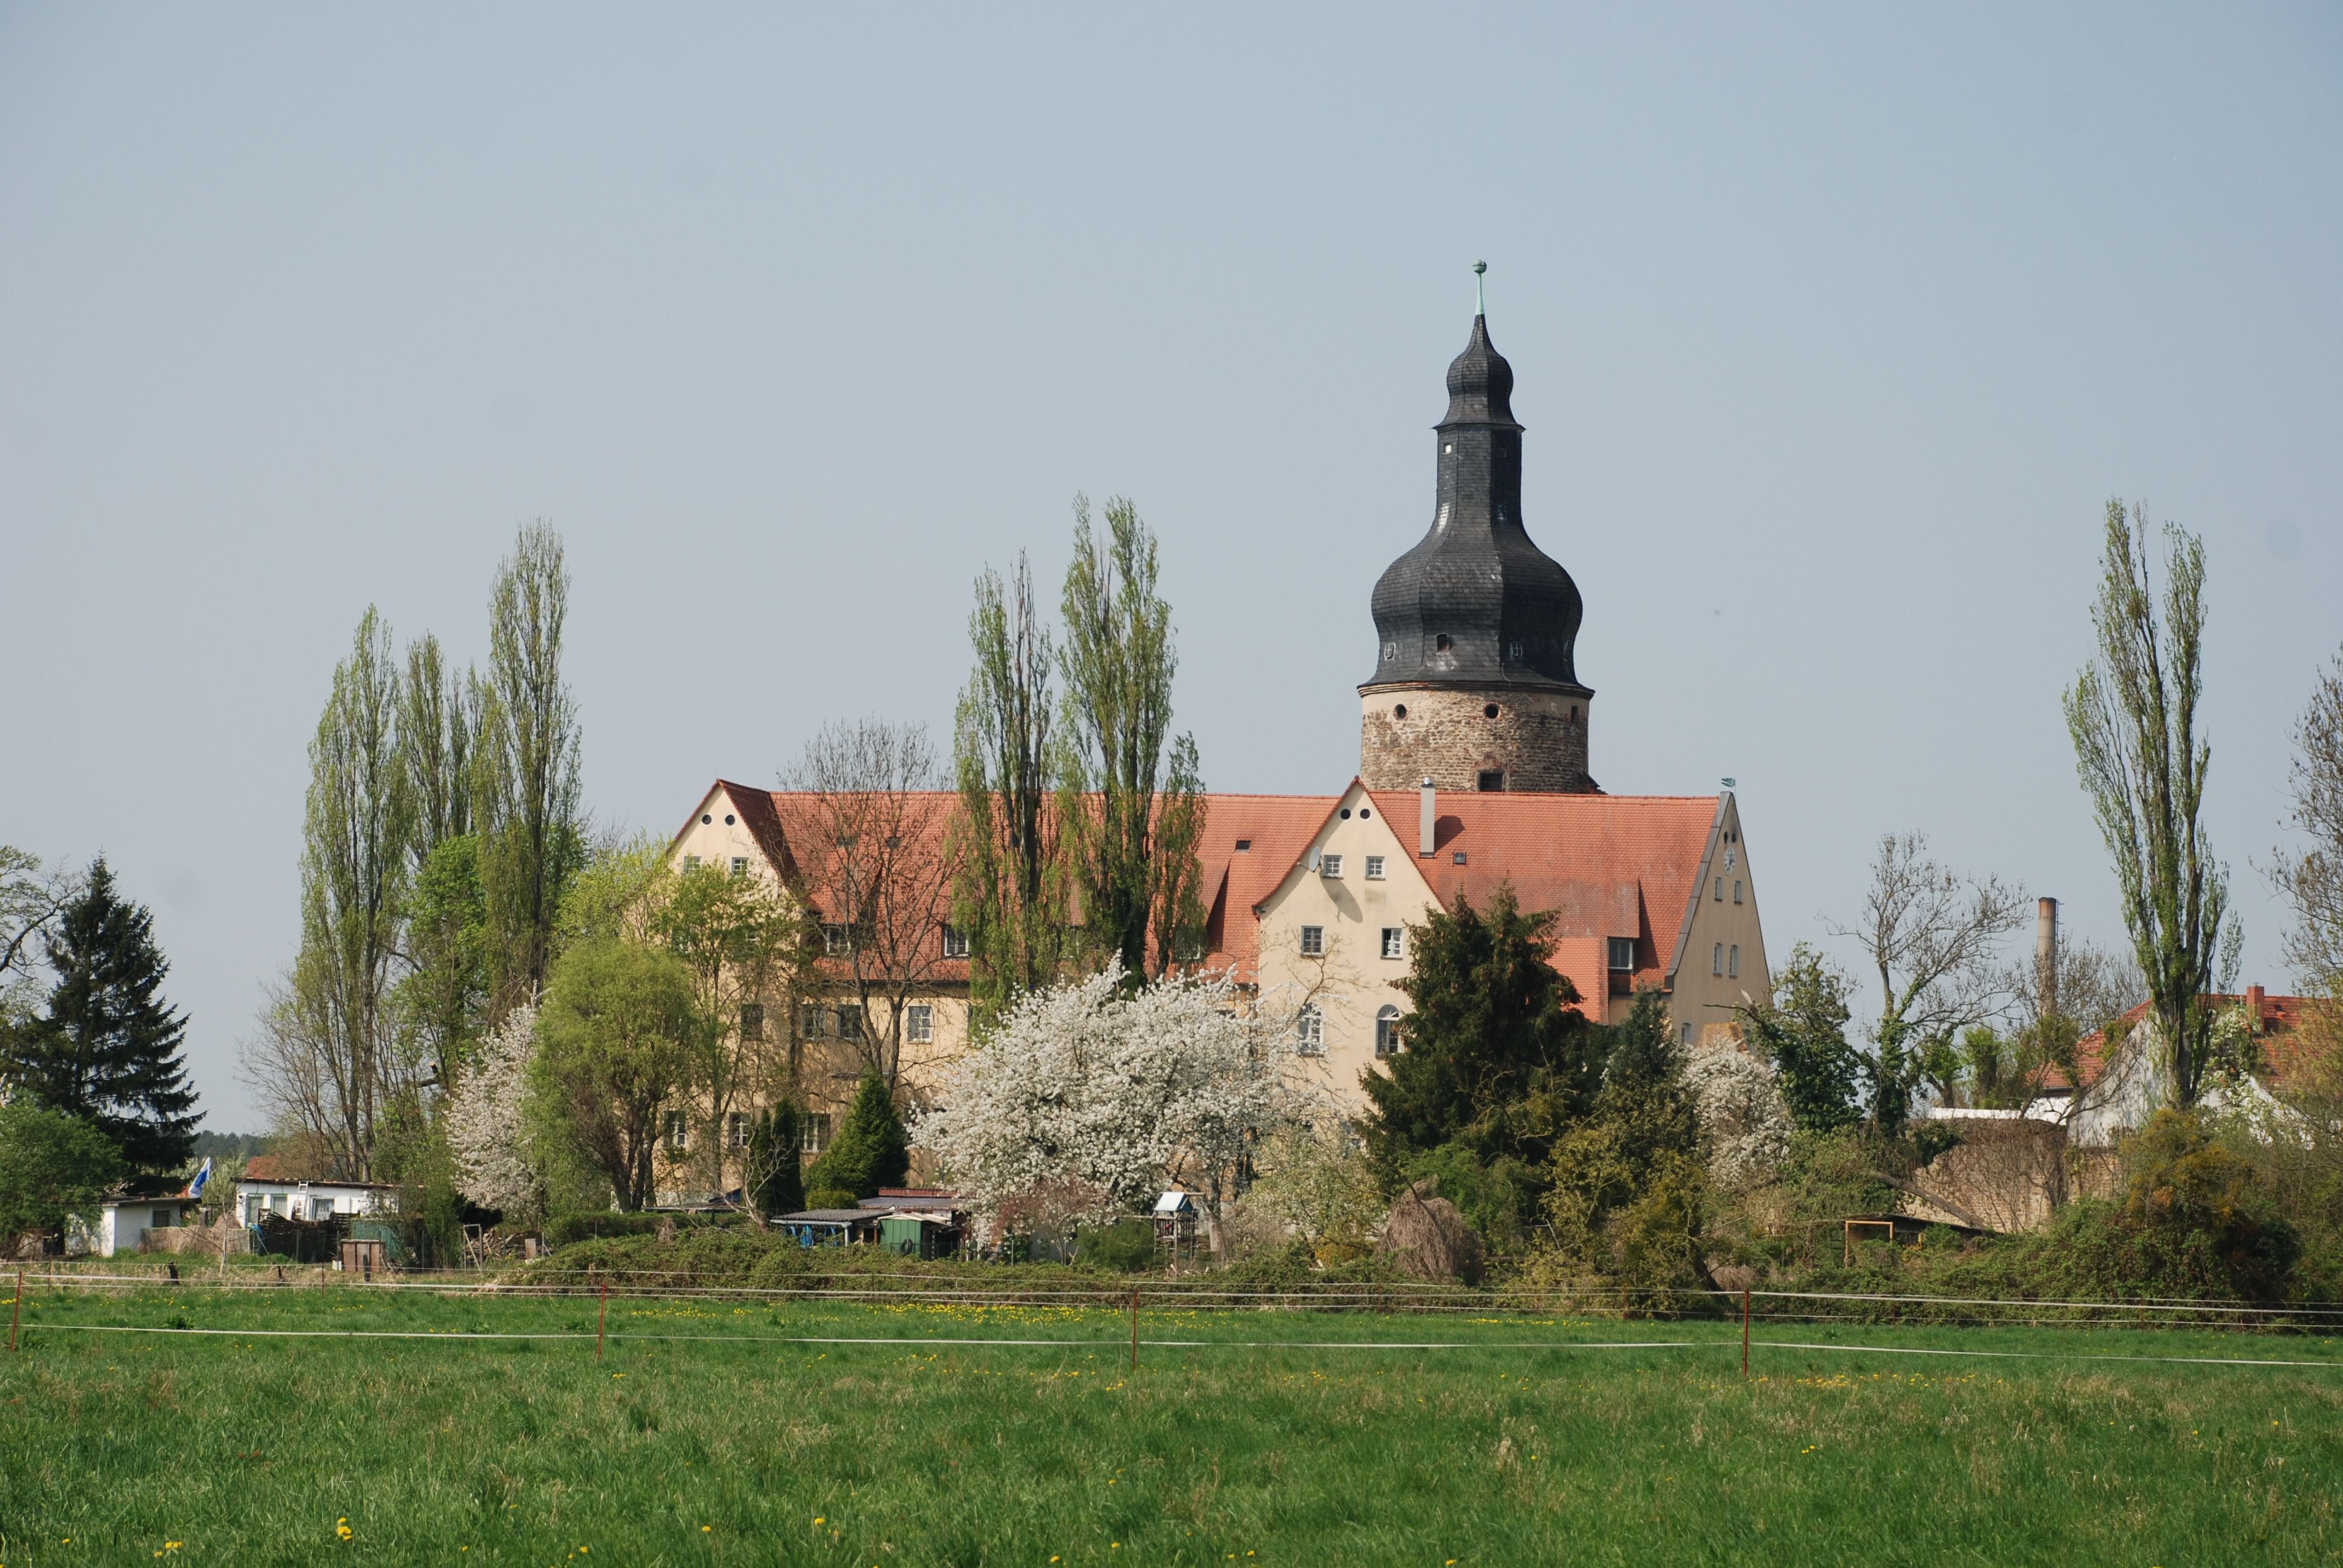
775 1181
872 1149
107 1047
1496 1058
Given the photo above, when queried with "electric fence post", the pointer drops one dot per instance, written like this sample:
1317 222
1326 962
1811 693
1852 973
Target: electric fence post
1134 1330
15 1311
601 1320
1744 1331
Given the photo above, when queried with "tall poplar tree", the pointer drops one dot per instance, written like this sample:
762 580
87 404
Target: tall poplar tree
106 1046
2132 716
1134 802
526 796
1008 892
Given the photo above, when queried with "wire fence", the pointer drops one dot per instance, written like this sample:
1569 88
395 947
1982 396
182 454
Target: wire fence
1162 1302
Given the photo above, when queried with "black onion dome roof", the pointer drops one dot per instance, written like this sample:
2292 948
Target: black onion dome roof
1476 602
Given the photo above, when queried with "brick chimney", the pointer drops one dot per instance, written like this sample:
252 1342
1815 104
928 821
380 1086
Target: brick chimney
1427 822
2254 1007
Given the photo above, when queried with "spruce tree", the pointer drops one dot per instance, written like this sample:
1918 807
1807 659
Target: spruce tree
872 1149
107 1047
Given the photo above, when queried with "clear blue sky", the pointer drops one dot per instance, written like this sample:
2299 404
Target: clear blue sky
1834 331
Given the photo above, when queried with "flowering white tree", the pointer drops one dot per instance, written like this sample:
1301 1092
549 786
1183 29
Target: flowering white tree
484 1117
1125 1094
1744 1122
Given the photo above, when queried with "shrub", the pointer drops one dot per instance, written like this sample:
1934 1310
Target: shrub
52 1166
564 1230
1126 1246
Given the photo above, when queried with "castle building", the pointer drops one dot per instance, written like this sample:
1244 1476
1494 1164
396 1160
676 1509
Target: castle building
1474 774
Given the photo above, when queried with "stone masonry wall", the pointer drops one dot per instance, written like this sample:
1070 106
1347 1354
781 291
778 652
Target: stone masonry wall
1410 733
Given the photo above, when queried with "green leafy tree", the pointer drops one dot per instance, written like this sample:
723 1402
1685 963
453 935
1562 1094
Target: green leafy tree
774 1180
107 1046
1132 798
620 1031
2143 762
443 996
1010 884
1626 1183
743 939
527 798
435 745
872 1149
1802 1030
31 897
2312 879
53 1168
1496 1057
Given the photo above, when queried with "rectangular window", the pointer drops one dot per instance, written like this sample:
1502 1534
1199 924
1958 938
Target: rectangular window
1737 892
1623 955
739 865
955 942
678 1132
1459 857
817 1131
1395 940
1493 783
1720 889
1313 941
1243 846
321 1208
919 1023
849 1023
1733 960
736 1130
1716 960
1374 868
692 863
1309 1032
163 1220
836 941
1331 866
1687 1035
752 1021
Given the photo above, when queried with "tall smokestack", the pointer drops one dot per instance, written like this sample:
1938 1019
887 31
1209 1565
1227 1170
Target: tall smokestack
1427 822
2046 956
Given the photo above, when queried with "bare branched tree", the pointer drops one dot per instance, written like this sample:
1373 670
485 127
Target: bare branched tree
1932 935
2312 880
870 830
31 897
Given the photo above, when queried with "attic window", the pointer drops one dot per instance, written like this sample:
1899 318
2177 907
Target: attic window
705 818
1346 813
1492 781
1440 644
1459 857
1364 813
1623 955
1374 868
729 819
1244 845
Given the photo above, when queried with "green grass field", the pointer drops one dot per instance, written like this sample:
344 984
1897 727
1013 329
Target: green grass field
680 1447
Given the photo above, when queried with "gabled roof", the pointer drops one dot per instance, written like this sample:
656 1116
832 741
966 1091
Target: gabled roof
2286 1048
1276 831
1606 865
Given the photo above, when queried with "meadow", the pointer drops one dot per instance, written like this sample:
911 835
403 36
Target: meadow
727 1429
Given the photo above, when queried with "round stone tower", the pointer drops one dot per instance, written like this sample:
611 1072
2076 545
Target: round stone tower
1476 686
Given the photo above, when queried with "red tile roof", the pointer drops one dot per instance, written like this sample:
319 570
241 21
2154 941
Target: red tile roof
2286 1048
1606 865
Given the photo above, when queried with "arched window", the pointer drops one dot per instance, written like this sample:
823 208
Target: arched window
1716 960
1733 961
1387 1040
1310 1031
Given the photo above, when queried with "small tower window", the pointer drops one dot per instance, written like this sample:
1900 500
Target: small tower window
1716 960
1733 960
1490 711
1516 652
1400 711
1493 780
1737 892
1440 644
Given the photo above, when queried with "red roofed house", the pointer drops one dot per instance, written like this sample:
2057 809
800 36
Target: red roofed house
1474 771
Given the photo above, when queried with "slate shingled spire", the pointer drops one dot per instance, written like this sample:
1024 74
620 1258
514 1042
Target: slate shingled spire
1476 602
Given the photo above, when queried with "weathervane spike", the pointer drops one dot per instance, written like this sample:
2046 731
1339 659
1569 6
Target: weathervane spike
1480 292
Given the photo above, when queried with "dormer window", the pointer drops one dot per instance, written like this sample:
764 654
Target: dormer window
1441 644
1623 955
